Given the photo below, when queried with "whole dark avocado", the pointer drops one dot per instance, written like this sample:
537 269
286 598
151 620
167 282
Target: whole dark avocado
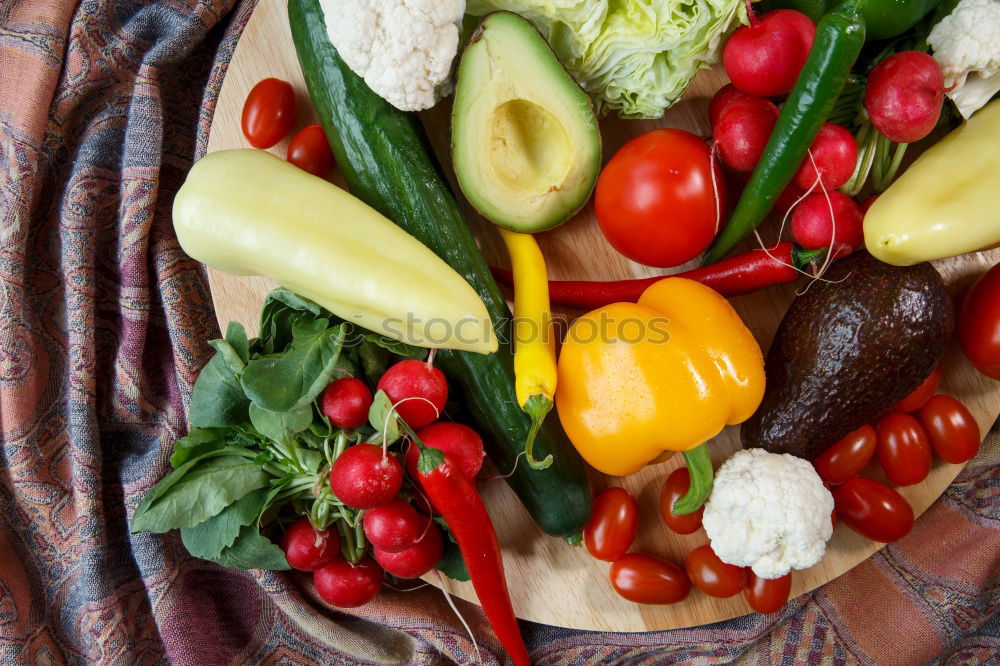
847 350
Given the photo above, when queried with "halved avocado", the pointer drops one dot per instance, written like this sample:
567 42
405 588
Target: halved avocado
525 142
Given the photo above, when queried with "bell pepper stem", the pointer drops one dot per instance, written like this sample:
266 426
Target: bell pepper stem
699 464
536 406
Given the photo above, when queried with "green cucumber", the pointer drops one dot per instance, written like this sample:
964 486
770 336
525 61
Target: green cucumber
384 157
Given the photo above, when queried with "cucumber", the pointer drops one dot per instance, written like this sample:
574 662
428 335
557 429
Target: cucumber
384 157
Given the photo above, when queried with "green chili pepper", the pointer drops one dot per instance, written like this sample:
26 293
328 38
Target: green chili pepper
839 38
883 18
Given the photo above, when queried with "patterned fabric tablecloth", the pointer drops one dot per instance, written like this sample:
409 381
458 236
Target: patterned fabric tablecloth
104 105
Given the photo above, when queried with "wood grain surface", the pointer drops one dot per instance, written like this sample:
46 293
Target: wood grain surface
551 582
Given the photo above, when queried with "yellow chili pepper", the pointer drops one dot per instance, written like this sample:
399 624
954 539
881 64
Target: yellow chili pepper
944 204
535 345
664 374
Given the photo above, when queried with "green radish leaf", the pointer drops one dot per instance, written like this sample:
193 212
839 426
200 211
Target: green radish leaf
429 460
196 443
381 419
395 347
252 550
374 360
218 399
278 426
229 355
291 380
292 300
451 563
236 336
207 539
196 491
347 364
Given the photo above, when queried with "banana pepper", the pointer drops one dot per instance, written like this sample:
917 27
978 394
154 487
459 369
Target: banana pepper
946 202
640 380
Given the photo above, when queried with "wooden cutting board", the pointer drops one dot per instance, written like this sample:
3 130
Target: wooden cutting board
549 581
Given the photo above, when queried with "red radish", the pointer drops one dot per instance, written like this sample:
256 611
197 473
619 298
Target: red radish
364 477
723 97
904 95
347 585
742 131
307 548
834 154
394 527
345 402
462 445
417 383
812 227
416 560
765 58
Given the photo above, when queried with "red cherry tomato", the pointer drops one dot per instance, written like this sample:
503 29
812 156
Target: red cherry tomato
847 457
713 576
873 509
903 450
612 525
645 579
979 323
674 488
310 151
767 596
655 201
951 429
268 113
921 394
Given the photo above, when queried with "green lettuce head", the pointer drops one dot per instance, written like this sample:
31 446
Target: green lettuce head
634 56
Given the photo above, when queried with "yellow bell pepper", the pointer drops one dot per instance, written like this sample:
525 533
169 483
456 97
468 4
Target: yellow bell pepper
945 203
664 374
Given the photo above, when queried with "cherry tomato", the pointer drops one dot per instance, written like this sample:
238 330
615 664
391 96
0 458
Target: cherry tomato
655 201
612 525
310 151
873 509
713 576
847 457
268 113
767 596
903 450
673 489
921 394
951 429
979 323
645 579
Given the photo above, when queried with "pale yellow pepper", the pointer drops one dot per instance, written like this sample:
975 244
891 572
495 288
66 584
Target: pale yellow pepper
664 374
945 203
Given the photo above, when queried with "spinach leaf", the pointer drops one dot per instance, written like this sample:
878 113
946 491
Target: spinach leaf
380 419
236 336
280 425
218 399
292 379
208 539
451 563
196 443
252 550
197 490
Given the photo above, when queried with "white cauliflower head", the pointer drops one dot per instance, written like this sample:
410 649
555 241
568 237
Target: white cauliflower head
768 511
402 48
966 44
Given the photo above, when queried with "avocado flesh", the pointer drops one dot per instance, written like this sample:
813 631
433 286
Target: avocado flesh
525 143
846 351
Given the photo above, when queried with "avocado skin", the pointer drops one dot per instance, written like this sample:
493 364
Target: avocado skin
847 351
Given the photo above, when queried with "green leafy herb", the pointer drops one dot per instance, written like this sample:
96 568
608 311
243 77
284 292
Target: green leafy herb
278 426
252 550
236 336
382 417
197 442
218 399
197 490
208 539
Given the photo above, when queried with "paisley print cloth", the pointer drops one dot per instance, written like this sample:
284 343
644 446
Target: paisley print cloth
104 105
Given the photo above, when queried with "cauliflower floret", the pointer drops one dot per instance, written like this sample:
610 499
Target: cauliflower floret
402 48
966 44
768 511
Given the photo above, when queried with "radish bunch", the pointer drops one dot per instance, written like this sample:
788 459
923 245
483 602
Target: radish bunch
763 60
369 478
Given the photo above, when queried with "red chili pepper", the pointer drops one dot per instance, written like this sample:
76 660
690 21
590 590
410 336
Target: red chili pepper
735 276
455 496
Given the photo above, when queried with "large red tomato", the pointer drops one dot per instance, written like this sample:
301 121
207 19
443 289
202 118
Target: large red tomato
657 202
979 323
